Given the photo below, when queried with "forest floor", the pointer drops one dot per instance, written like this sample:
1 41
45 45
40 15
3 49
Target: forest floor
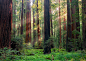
37 55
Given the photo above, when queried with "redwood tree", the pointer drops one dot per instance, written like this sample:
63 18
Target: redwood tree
60 24
5 23
69 30
47 48
64 29
28 22
64 23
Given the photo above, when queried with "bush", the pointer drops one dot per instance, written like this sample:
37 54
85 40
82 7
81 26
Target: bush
17 42
7 54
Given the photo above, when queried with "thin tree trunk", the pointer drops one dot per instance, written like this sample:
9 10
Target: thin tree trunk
64 30
14 18
34 31
51 27
64 23
60 24
38 29
24 16
22 19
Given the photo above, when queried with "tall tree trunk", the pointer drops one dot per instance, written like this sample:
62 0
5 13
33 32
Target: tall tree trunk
24 16
69 30
28 22
22 19
47 48
38 29
84 23
5 23
51 27
60 24
64 30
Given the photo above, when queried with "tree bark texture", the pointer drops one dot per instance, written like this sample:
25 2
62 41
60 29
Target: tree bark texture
60 24
5 23
28 22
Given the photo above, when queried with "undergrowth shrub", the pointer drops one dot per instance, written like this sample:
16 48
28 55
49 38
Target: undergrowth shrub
17 42
7 54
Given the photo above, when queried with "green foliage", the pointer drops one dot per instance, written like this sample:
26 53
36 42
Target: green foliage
75 32
37 55
17 42
7 54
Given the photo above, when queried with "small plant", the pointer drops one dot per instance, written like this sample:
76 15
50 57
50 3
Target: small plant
7 53
17 42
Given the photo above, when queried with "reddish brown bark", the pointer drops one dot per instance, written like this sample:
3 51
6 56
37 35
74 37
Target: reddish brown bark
64 23
5 23
64 29
28 22
60 23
